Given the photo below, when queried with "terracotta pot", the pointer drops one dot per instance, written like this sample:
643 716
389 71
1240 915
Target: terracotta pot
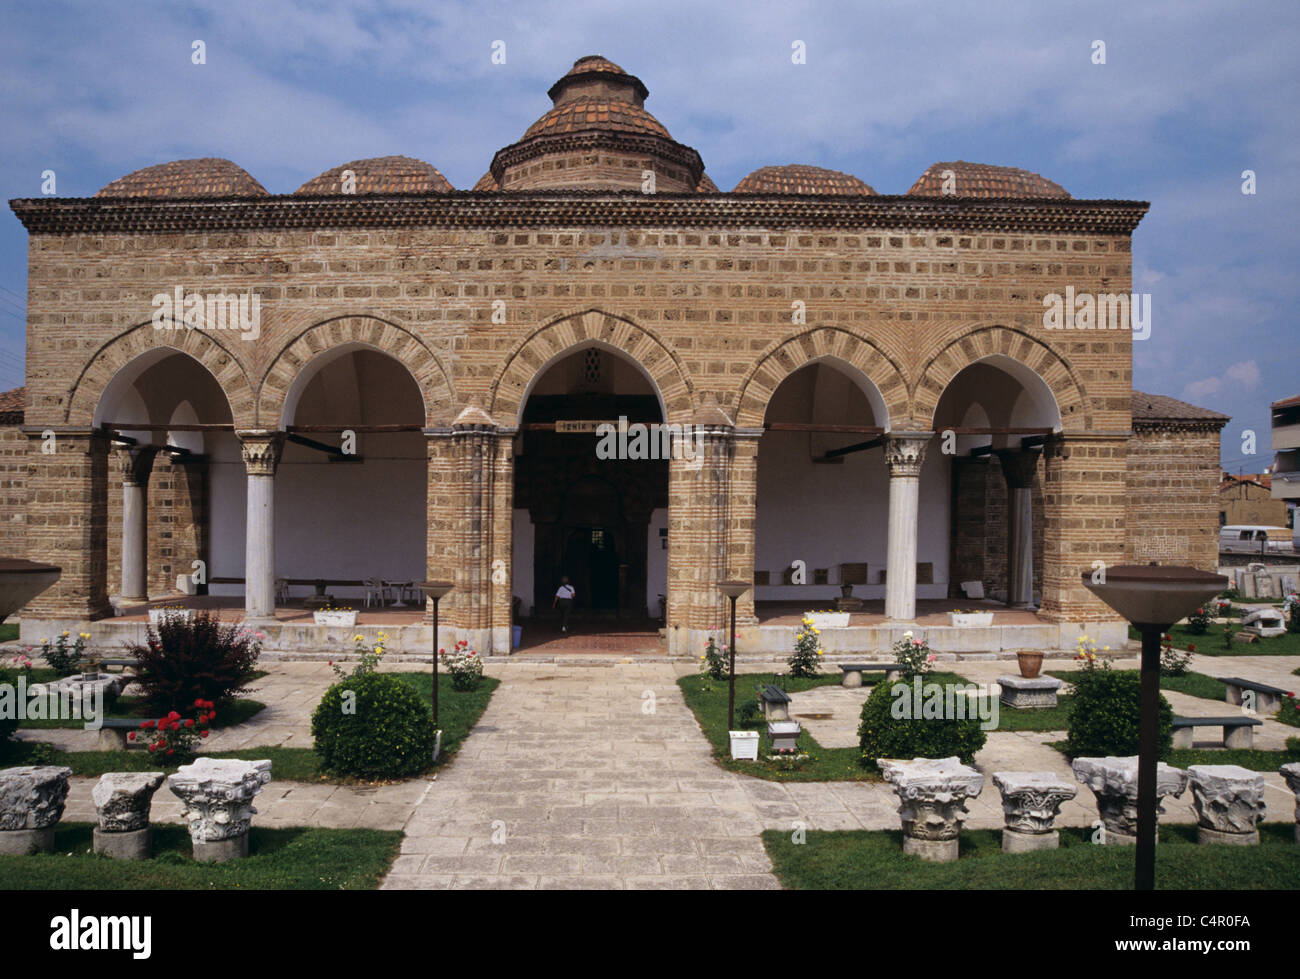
1030 664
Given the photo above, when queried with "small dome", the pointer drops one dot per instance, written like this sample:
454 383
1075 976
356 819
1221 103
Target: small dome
706 186
381 175
596 74
487 182
577 115
206 177
984 180
797 178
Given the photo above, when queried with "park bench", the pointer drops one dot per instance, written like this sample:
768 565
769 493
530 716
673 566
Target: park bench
112 736
1267 699
775 701
853 672
1238 730
130 661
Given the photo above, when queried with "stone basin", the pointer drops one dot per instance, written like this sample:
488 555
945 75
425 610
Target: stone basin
21 581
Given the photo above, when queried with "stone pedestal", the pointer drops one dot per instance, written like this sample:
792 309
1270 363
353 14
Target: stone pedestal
21 842
1114 781
1291 773
32 798
218 794
1029 692
932 796
1031 802
1229 803
133 845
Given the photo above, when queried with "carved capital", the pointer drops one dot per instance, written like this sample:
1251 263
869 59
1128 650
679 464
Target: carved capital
905 452
135 464
261 451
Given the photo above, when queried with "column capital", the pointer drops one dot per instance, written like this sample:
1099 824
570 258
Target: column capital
135 463
1018 466
905 452
261 450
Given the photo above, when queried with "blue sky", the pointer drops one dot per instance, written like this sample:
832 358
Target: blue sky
1192 93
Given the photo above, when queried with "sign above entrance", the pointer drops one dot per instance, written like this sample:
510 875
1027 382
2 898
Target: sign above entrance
584 426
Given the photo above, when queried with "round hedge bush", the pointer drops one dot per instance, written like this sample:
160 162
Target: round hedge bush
882 735
373 726
1104 717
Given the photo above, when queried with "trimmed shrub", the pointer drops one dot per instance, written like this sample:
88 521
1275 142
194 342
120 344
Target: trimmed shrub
194 659
883 735
373 726
1105 713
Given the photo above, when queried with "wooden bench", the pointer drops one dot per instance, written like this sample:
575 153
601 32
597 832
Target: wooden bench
1238 730
112 736
853 672
1267 699
775 701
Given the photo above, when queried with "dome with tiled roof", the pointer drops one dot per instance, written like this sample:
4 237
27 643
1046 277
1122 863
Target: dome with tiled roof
984 180
797 178
206 177
487 182
706 186
597 135
380 175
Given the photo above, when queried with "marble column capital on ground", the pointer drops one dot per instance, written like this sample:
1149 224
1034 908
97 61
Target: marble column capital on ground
261 450
1114 782
905 452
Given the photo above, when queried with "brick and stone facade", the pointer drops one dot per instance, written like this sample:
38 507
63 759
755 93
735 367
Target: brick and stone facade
716 298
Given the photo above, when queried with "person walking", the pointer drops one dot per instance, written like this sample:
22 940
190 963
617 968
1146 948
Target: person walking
564 601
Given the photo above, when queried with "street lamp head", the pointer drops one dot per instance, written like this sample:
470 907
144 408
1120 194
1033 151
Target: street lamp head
1152 595
436 589
733 589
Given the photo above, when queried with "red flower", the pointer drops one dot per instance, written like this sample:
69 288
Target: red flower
203 734
188 722
171 751
153 747
148 725
130 736
1191 647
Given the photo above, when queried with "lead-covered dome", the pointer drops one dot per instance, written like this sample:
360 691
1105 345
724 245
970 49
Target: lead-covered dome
799 178
204 177
962 179
598 136
380 175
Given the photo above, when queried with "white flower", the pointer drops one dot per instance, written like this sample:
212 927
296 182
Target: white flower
907 634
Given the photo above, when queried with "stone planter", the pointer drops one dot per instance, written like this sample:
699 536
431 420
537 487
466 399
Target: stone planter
967 619
1030 663
1029 692
156 615
784 736
744 745
337 617
829 620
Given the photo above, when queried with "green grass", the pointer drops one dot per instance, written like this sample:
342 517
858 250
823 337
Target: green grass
1191 683
1036 718
458 711
707 699
307 859
1211 643
8 632
1254 759
874 860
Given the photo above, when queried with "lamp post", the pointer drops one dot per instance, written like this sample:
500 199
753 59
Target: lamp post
435 590
733 590
1152 598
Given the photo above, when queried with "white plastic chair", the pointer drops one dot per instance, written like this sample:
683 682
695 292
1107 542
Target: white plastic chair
376 590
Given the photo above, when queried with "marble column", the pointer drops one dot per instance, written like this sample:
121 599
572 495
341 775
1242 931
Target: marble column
136 464
261 450
904 455
1018 468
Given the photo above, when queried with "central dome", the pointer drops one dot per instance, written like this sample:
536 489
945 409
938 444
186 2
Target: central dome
597 136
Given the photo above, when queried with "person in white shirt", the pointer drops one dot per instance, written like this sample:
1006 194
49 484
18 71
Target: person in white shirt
564 601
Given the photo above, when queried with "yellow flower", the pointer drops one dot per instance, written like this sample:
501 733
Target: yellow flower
358 638
65 632
85 635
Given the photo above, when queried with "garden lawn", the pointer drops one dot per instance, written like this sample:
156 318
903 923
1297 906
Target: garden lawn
9 632
307 859
458 711
1254 759
874 860
132 708
1192 684
1211 643
707 699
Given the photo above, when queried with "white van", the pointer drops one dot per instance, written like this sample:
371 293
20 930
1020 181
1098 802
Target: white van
1253 539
